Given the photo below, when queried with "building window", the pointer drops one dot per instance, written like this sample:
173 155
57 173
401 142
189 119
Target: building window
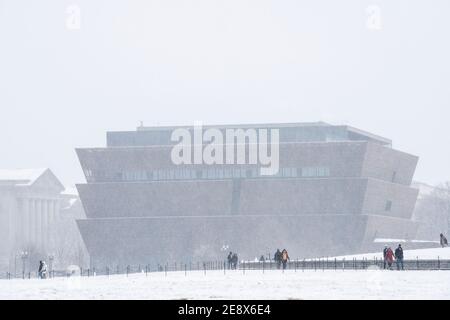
394 175
388 205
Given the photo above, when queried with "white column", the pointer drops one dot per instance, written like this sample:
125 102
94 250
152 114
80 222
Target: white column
56 214
38 225
25 221
44 230
31 222
49 223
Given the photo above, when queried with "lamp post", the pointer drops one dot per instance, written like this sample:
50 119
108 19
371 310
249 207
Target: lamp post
51 257
224 249
24 256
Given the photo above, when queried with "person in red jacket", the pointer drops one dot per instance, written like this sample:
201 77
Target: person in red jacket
389 258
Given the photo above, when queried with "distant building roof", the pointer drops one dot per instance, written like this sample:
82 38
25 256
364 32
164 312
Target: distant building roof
289 132
25 177
21 176
70 191
426 190
244 126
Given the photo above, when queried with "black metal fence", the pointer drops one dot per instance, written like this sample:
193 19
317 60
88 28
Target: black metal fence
293 265
351 264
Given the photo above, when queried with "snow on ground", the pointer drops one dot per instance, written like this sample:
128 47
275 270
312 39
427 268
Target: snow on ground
433 253
274 284
385 240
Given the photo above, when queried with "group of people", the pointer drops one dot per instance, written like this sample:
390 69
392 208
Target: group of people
232 260
390 256
281 258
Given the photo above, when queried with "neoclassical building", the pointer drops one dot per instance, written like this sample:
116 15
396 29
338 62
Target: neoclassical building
30 203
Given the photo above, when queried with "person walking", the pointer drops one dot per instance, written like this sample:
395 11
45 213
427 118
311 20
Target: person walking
277 258
384 256
443 241
399 257
234 261
42 271
389 258
230 260
284 258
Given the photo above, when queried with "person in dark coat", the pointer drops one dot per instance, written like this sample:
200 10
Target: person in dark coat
284 258
384 256
42 271
230 260
399 257
444 242
234 261
277 258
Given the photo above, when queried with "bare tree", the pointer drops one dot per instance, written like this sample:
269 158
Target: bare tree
442 196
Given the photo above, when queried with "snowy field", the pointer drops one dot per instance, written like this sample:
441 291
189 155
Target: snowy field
367 284
434 253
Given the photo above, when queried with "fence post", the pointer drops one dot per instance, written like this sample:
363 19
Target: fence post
343 264
89 273
439 264
417 263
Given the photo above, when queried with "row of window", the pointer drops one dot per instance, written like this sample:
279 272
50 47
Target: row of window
205 173
219 173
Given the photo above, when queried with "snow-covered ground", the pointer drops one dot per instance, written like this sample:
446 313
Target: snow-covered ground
433 253
368 284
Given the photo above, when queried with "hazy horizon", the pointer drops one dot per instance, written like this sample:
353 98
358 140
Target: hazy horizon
220 62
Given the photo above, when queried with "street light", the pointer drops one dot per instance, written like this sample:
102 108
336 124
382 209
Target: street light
24 256
50 259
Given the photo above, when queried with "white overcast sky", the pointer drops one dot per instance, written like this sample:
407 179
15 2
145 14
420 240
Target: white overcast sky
228 61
